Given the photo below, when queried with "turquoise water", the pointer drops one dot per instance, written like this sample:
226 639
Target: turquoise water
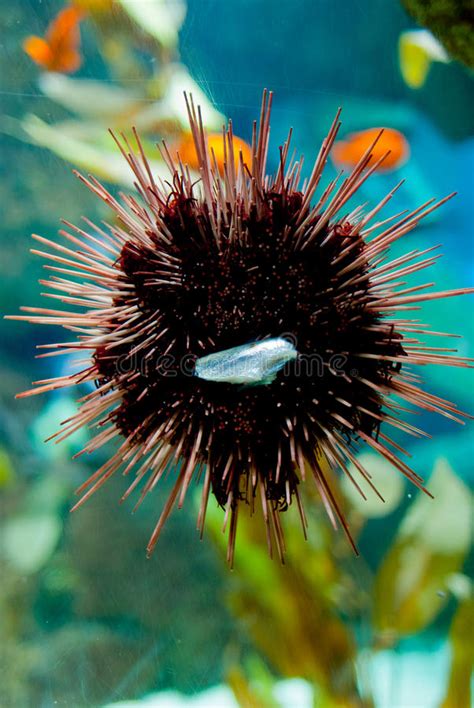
87 619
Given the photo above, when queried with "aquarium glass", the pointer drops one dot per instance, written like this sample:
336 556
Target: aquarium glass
87 618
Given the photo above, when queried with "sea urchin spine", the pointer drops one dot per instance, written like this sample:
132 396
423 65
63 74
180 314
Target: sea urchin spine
195 267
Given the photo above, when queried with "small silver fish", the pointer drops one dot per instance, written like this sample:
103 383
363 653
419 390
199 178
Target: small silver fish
252 364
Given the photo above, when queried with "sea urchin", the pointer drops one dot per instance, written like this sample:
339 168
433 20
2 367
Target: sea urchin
196 267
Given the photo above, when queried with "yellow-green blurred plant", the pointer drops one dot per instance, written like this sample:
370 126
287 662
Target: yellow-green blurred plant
431 544
292 611
462 655
300 616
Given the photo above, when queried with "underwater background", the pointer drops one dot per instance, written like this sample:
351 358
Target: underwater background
86 619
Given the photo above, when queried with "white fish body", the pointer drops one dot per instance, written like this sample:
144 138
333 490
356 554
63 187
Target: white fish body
252 364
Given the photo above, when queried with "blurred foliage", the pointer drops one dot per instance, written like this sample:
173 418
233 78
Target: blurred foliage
431 544
294 611
452 21
147 94
302 615
109 627
417 50
462 659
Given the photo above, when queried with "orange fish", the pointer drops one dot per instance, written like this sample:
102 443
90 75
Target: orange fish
187 151
350 150
59 49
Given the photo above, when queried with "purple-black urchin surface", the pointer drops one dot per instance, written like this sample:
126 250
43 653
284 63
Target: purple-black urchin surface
195 269
238 293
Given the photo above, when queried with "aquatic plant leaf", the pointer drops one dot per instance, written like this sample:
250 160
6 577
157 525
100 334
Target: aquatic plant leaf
29 537
417 49
245 693
92 6
60 139
254 686
414 63
59 407
46 496
90 98
161 19
431 544
28 541
7 471
113 106
462 656
386 479
295 600
177 80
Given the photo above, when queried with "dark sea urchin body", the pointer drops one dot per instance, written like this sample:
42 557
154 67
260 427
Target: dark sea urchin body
196 268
